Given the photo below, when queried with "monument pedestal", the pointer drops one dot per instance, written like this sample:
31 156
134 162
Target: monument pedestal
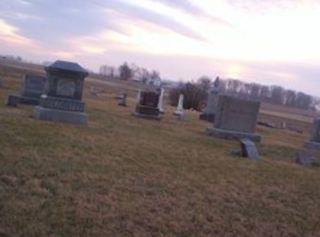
232 135
59 115
312 145
147 112
147 116
14 100
61 110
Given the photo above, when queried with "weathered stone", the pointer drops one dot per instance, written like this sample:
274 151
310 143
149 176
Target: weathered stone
32 88
209 111
306 158
235 119
249 149
123 100
161 99
147 106
12 100
315 135
61 101
314 143
180 111
55 115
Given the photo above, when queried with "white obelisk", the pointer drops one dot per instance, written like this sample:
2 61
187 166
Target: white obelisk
160 104
139 97
179 111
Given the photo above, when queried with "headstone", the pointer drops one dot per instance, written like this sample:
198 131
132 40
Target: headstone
306 158
61 101
161 99
249 149
94 92
119 96
180 111
209 111
147 106
32 88
123 100
314 142
235 119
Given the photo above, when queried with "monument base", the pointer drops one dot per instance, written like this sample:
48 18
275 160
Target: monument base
147 116
312 145
207 117
178 113
14 100
232 135
55 115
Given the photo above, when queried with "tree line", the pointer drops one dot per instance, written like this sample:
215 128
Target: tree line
196 93
127 72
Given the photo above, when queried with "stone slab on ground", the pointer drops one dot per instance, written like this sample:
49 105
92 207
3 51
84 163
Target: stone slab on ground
249 149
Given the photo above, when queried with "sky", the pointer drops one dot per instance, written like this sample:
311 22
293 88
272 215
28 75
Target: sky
263 41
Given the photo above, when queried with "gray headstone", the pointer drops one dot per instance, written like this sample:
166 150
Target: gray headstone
249 150
33 86
123 100
237 114
315 135
236 119
209 111
12 101
305 158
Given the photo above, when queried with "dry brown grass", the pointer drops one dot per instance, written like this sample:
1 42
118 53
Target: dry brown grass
123 176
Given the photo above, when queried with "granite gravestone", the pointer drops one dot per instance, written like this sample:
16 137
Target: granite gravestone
209 111
249 150
314 142
235 119
61 101
32 88
306 157
147 106
122 101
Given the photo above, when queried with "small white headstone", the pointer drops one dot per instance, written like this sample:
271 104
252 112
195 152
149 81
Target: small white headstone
139 97
180 111
160 105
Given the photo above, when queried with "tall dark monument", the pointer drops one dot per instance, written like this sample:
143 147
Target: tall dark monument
147 105
61 101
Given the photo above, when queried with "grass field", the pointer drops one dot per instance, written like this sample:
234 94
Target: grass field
123 176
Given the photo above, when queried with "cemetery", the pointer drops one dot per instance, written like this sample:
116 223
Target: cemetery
120 175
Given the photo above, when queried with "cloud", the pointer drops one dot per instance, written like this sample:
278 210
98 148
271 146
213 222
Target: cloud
265 41
10 34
